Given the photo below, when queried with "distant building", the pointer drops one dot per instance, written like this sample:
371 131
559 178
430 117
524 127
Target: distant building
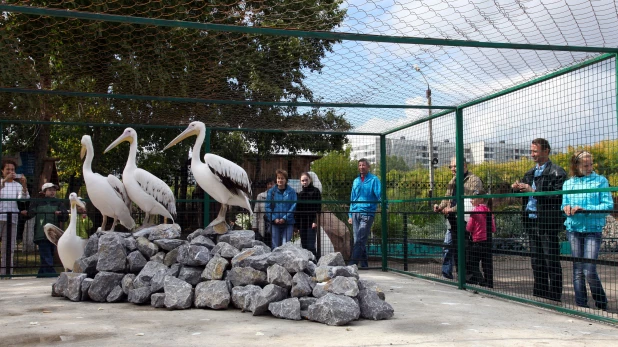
415 152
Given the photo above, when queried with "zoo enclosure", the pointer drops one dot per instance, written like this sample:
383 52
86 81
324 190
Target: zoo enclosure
147 103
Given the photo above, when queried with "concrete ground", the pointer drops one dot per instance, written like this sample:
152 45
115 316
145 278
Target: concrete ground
426 313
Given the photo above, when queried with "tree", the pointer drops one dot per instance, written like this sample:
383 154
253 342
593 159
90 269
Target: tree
51 53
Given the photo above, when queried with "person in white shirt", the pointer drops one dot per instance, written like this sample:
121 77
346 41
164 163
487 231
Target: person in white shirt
10 189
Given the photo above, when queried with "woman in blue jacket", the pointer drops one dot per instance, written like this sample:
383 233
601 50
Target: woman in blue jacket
584 229
280 210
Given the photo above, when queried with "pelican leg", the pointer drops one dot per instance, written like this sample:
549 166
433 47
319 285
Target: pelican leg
114 224
220 217
104 222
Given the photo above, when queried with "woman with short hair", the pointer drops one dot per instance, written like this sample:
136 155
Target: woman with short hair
281 209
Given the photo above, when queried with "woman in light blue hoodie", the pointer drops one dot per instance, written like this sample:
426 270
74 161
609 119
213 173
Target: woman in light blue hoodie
280 210
585 220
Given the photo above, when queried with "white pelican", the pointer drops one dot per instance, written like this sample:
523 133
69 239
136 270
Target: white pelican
146 190
106 193
70 246
222 179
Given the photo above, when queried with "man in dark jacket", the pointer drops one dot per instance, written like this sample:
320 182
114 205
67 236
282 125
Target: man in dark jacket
48 211
543 221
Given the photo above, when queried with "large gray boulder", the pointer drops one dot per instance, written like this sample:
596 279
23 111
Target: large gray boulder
372 307
242 276
331 259
277 274
73 290
171 257
116 295
291 257
61 284
136 262
239 238
302 285
225 250
319 290
127 283
193 255
246 253
212 294
270 293
324 273
164 231
342 285
203 241
178 293
86 283
139 295
371 285
103 284
256 261
287 309
152 275
242 296
333 309
87 265
112 254
169 244
190 274
157 300
129 244
147 248
215 269
92 246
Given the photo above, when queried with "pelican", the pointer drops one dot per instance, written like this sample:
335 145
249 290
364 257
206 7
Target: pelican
222 179
70 246
106 193
146 190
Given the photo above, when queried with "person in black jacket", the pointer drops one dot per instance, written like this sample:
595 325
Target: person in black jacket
306 213
543 220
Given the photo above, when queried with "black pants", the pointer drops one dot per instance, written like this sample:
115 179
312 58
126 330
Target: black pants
545 258
480 252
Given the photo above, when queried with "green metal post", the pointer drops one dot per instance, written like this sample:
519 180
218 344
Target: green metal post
384 203
461 227
1 139
206 196
616 82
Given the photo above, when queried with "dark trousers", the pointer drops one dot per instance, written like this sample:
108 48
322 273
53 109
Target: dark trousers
46 254
545 258
480 252
307 238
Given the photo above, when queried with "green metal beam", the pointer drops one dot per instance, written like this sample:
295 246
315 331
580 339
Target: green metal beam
182 127
213 101
295 33
460 228
383 202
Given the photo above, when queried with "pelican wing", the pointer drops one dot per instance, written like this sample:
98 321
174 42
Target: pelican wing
53 233
232 176
156 188
119 190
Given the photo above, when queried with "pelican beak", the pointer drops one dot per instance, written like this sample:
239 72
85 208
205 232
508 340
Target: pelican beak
188 132
77 202
82 153
119 140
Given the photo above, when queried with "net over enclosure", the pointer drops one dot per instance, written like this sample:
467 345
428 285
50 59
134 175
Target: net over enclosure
443 98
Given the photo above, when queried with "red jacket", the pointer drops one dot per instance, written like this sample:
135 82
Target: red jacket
477 225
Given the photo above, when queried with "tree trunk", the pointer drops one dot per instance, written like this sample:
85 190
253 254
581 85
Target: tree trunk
41 142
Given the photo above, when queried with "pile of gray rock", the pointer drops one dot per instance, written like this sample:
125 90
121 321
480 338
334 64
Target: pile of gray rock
154 266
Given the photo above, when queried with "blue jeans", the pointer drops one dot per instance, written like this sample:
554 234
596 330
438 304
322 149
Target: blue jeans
361 224
448 255
282 233
46 254
586 245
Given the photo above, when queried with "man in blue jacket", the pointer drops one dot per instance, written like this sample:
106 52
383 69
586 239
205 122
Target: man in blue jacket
366 187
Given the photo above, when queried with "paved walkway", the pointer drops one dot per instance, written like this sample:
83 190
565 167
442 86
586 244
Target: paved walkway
426 313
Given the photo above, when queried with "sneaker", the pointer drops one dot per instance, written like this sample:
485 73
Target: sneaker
446 275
